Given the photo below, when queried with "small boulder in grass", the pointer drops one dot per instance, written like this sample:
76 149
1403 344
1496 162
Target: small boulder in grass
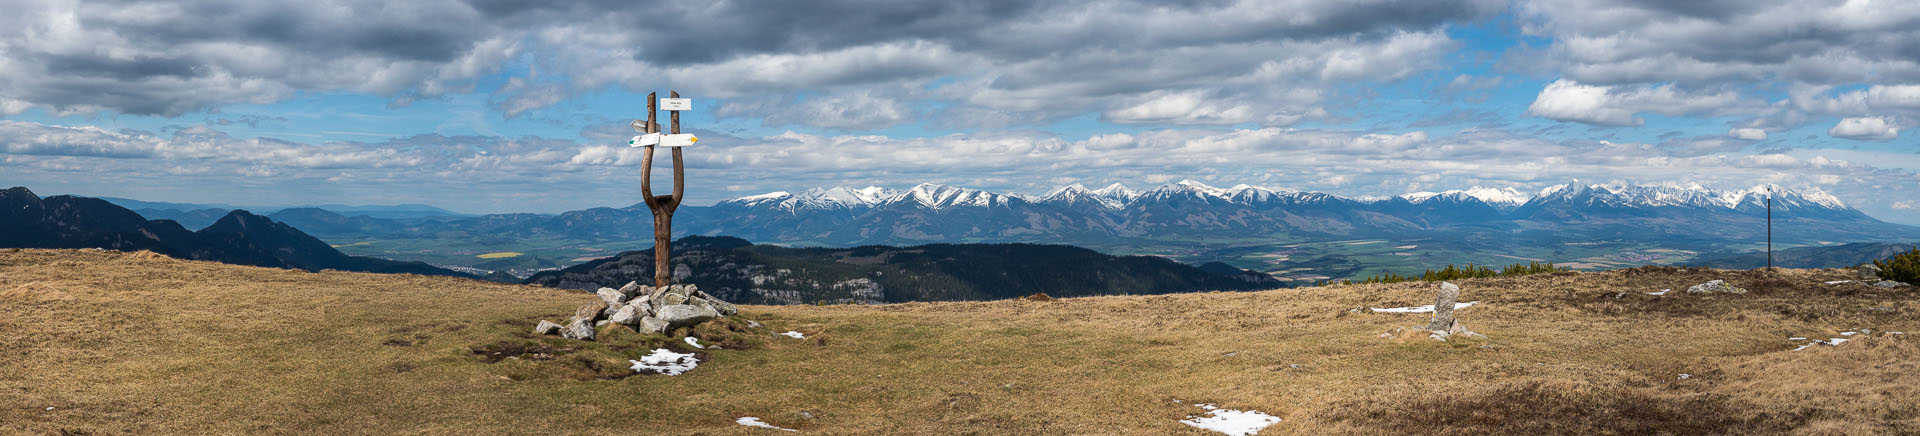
578 329
547 328
1867 273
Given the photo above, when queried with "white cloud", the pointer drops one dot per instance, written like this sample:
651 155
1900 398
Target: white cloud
1748 134
1864 129
1566 100
1188 107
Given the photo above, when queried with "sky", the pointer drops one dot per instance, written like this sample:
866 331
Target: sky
509 106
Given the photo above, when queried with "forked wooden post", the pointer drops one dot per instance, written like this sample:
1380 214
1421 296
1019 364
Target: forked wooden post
662 206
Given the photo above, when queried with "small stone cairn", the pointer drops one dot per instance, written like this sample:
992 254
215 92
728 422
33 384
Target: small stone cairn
647 309
1444 327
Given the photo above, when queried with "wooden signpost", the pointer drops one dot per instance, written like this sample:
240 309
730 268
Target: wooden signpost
664 205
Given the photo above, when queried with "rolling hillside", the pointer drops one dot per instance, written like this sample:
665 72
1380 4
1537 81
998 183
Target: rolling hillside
125 343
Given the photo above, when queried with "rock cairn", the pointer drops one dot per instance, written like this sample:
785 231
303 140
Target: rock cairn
646 309
1443 327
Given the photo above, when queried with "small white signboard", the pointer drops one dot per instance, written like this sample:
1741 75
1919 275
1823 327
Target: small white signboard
646 140
680 140
676 104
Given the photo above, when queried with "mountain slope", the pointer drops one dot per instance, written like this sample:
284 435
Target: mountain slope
738 271
240 237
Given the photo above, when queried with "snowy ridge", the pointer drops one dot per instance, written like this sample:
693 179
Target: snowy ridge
1492 196
1688 195
1118 196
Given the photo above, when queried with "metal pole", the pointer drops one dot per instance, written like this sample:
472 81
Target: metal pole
1769 228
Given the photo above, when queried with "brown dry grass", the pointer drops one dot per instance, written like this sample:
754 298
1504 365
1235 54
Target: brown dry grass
127 344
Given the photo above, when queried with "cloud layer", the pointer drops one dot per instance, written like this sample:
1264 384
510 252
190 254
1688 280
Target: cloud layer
1360 97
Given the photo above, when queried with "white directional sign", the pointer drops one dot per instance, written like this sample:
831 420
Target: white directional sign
676 104
680 140
649 139
653 139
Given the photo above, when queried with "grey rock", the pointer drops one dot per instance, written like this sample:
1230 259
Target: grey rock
627 315
724 308
592 311
1715 286
601 323
1889 284
1867 272
579 329
685 315
632 289
612 296
1443 307
650 324
546 328
673 298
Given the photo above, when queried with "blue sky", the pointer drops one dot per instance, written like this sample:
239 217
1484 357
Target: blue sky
492 106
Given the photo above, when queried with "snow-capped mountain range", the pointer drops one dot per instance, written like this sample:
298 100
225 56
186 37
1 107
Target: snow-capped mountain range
1118 196
1191 210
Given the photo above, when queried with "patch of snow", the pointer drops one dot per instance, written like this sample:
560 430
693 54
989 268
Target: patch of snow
766 196
1420 309
755 422
794 334
1796 338
1848 333
695 343
1661 292
1830 342
49 408
1686 376
666 362
1836 282
1231 422
753 324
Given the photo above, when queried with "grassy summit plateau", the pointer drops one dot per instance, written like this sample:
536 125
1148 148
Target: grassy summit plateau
115 343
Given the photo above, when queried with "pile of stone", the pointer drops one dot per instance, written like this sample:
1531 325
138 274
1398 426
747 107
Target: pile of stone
1443 327
1715 287
1870 274
647 309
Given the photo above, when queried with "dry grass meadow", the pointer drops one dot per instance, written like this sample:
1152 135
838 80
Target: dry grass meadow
106 343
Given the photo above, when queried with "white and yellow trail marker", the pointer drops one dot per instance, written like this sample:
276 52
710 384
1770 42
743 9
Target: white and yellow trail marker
653 139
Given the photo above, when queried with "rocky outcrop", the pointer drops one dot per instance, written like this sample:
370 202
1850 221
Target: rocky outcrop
1868 273
646 309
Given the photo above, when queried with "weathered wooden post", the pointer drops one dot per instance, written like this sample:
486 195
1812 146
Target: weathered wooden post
664 205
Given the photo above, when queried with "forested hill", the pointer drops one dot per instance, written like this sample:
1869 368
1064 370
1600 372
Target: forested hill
741 272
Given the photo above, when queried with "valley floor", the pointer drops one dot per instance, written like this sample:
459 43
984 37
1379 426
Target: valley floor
114 343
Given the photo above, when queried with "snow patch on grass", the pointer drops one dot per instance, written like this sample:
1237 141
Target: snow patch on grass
755 422
794 334
1231 422
666 362
1420 309
1828 342
1660 292
694 342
